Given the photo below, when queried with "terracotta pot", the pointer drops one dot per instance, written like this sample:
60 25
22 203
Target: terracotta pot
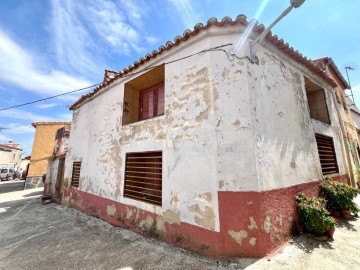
330 232
335 214
346 213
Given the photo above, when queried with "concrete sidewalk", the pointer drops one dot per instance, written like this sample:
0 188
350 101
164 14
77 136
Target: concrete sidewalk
35 236
18 194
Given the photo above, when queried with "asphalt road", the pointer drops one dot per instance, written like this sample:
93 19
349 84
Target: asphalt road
11 185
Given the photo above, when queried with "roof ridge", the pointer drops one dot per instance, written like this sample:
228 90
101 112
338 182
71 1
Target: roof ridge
240 20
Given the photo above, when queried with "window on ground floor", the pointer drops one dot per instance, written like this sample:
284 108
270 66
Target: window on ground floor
75 179
143 177
317 102
144 96
327 154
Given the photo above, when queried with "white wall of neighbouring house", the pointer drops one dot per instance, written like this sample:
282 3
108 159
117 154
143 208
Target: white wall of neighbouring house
229 125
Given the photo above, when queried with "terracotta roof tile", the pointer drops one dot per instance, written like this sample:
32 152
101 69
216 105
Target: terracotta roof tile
240 20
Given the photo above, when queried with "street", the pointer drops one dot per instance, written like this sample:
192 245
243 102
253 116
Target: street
35 236
11 185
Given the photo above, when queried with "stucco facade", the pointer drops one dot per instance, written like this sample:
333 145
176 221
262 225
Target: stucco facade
348 115
42 150
10 156
237 145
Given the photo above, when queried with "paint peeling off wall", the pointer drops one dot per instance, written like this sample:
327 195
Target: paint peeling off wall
285 133
238 236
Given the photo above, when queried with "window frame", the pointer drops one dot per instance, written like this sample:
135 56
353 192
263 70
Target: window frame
77 182
147 196
309 83
326 141
155 105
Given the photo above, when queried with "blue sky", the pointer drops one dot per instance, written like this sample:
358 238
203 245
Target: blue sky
48 47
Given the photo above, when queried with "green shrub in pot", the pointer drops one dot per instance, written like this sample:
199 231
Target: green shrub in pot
313 214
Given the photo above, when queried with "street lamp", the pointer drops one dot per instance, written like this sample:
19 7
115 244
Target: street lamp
254 46
351 92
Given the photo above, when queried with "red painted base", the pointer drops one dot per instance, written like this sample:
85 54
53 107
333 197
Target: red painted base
252 224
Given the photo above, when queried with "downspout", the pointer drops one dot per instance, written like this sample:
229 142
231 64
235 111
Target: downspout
342 127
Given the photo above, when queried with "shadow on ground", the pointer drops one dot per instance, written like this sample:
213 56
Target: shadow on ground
33 194
308 244
345 223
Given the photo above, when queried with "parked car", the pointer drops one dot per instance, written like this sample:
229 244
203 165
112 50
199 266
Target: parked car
6 174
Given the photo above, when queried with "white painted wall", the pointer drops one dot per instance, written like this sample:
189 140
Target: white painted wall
229 125
51 174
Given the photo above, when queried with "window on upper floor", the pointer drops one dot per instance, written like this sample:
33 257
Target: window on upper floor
327 154
144 96
143 177
317 102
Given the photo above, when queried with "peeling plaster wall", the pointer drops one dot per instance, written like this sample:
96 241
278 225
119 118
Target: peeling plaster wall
228 126
286 151
51 175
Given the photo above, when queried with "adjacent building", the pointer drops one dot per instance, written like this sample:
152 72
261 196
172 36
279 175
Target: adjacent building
202 147
42 150
54 185
348 115
10 155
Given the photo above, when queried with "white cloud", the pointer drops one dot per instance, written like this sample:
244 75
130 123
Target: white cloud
4 138
16 128
48 105
152 40
86 31
24 115
187 12
17 66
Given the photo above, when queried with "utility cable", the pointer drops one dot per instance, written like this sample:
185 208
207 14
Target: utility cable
214 49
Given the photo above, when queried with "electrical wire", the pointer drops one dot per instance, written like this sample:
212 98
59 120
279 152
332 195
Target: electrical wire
43 99
214 49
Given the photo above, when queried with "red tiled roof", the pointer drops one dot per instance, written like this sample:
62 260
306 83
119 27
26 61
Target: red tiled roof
11 146
331 63
240 20
109 74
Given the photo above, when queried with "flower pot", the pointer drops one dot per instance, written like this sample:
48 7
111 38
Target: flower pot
330 232
335 214
320 238
346 213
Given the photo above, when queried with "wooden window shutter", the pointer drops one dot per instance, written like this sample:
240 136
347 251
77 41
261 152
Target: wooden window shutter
160 99
327 154
147 103
143 177
75 179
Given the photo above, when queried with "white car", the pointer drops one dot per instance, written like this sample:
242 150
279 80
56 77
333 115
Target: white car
6 174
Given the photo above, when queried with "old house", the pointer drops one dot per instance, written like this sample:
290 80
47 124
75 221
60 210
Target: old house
55 172
10 155
201 146
42 150
347 112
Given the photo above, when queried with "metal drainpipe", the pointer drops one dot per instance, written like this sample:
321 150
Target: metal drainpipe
342 127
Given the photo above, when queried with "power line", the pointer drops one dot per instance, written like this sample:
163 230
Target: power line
39 100
217 48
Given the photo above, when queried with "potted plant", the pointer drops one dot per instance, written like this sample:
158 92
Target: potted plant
328 191
339 197
346 195
313 215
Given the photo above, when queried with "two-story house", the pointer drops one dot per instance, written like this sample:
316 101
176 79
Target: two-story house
198 144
